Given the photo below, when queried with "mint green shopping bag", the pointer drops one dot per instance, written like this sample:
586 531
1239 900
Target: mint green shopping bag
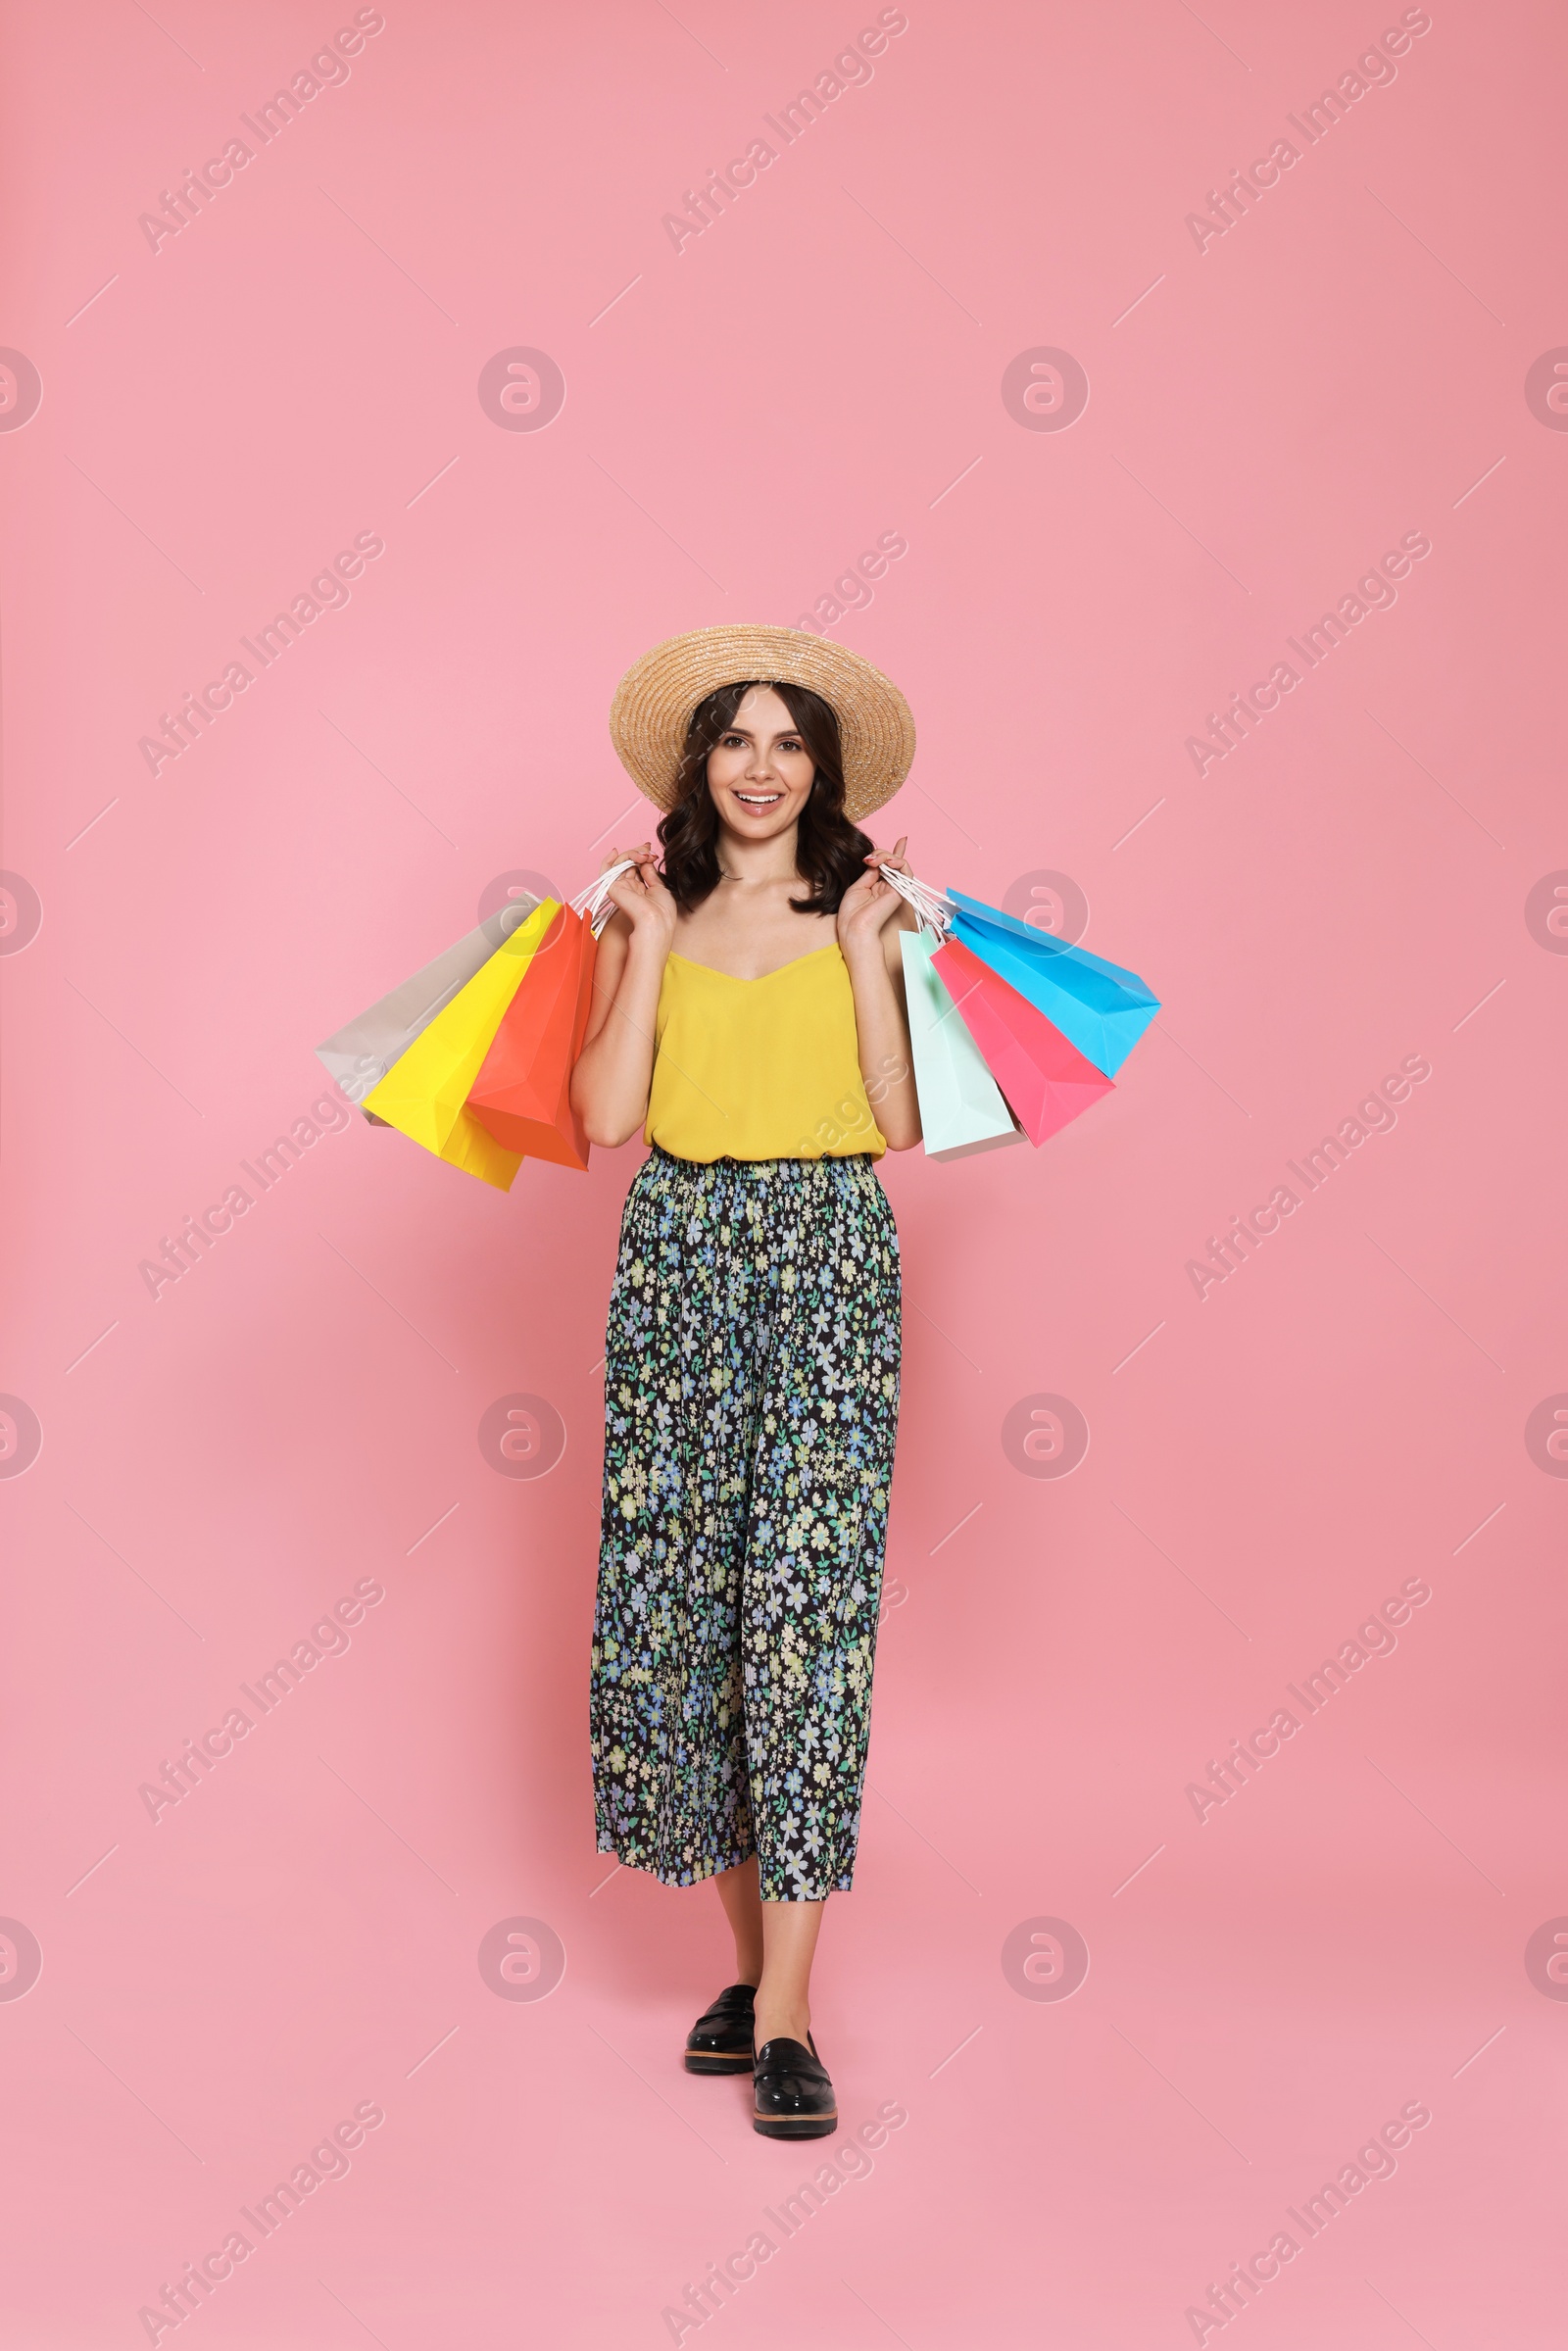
961 1109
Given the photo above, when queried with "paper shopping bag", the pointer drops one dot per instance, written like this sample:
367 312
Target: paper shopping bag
361 1054
1097 1006
521 1096
424 1094
1045 1079
961 1109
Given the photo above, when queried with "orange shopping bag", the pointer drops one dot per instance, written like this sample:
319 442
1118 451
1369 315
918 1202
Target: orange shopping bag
521 1096
521 1093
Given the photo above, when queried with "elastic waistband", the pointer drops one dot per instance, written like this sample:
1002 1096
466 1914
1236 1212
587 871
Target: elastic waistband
664 1160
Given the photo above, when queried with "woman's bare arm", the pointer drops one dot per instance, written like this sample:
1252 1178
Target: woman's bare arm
615 1069
869 921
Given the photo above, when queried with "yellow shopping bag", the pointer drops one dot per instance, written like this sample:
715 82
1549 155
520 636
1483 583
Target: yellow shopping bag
423 1095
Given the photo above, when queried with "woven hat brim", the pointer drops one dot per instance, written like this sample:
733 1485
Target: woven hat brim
655 701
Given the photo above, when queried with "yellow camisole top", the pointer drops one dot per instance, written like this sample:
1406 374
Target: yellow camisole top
760 1069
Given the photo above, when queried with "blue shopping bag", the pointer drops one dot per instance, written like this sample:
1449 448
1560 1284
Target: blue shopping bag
1097 1006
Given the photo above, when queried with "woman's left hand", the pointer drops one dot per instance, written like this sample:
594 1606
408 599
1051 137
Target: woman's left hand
868 904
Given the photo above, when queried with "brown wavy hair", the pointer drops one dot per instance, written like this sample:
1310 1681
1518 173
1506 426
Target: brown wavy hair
830 851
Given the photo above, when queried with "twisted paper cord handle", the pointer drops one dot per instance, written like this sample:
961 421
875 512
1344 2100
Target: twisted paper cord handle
594 903
933 906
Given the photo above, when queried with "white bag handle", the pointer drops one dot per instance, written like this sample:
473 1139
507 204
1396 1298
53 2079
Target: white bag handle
933 906
595 902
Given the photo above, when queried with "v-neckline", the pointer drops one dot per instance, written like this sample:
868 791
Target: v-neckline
756 981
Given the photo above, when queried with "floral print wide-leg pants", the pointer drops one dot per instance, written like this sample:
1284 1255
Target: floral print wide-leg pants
751 1407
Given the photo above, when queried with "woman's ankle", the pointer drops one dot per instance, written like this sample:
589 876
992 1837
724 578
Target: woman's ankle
782 2020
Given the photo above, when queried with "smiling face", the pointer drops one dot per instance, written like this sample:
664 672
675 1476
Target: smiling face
760 773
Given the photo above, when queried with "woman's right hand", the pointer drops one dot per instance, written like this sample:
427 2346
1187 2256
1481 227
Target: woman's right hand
641 896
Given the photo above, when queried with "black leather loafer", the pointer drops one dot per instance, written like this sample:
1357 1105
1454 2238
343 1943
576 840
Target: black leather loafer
794 2093
720 2040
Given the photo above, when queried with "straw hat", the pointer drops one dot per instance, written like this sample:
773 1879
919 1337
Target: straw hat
655 701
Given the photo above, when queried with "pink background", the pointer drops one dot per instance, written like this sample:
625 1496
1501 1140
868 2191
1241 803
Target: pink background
1064 1655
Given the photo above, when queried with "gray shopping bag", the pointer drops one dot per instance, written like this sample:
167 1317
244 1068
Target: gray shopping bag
361 1054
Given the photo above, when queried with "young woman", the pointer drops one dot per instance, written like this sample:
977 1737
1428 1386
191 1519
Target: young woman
749 1017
